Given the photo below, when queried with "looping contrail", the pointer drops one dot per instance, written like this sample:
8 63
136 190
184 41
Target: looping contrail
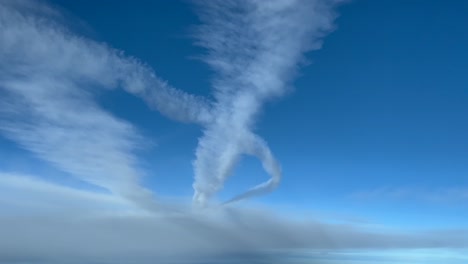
254 48
48 76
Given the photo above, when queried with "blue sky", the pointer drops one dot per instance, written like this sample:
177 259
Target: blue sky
382 105
370 129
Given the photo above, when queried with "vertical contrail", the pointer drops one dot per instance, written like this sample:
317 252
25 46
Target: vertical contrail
254 48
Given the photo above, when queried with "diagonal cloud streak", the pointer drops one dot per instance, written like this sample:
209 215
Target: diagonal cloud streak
254 47
48 79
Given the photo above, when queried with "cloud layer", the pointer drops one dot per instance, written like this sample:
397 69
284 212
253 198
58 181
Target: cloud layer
112 231
100 228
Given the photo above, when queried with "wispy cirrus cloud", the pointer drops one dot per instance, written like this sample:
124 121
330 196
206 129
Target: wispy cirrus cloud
434 195
48 80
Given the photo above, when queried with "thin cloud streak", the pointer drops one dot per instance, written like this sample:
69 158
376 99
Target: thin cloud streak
28 195
433 195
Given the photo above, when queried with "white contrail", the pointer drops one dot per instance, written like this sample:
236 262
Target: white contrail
254 48
32 44
48 77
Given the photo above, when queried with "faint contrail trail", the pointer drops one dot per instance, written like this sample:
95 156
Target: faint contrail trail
258 148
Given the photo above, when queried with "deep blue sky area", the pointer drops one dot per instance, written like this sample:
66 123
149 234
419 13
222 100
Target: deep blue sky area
376 125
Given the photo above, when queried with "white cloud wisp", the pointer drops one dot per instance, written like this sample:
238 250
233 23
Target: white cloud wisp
48 79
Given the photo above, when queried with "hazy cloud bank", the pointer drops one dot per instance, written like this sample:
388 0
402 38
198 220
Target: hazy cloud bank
56 224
